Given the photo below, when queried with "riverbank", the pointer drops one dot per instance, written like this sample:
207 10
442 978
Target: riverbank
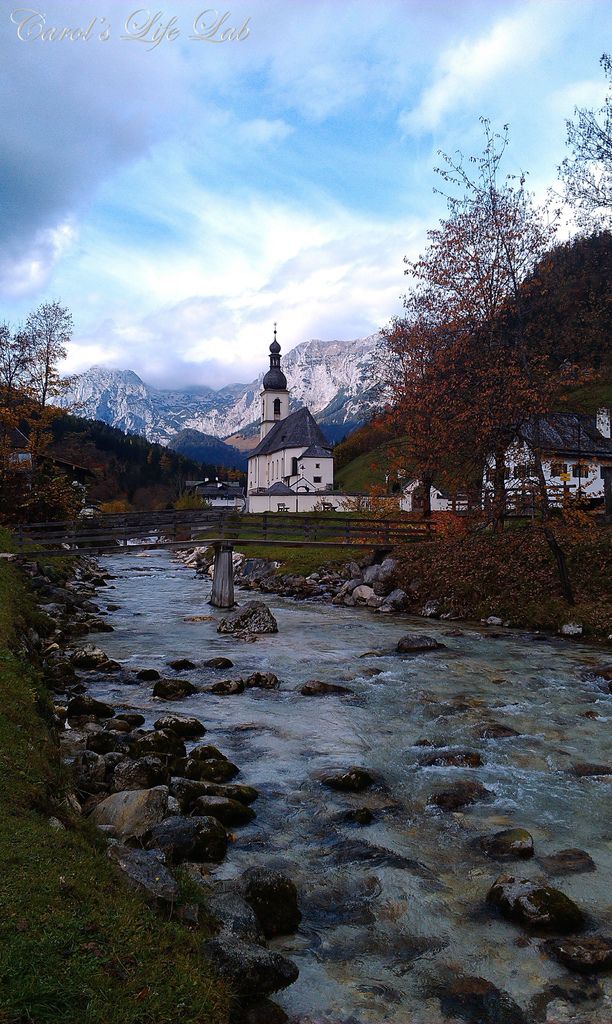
78 942
508 579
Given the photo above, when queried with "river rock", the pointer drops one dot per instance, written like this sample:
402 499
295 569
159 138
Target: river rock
394 601
145 773
568 862
103 742
84 705
251 971
477 1001
274 899
353 780
91 657
228 687
133 719
219 663
182 665
117 725
460 794
173 689
586 955
317 688
89 771
148 675
194 839
361 816
571 629
182 725
236 917
132 813
453 759
262 680
187 791
213 770
511 844
534 905
496 731
158 742
206 752
362 594
415 643
145 869
586 771
254 617
229 812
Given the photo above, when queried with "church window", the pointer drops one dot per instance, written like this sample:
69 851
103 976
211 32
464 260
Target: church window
317 465
294 466
316 479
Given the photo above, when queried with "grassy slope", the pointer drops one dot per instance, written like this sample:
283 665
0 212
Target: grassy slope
76 945
359 475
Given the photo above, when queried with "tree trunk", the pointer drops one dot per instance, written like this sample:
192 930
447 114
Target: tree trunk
551 540
499 490
426 484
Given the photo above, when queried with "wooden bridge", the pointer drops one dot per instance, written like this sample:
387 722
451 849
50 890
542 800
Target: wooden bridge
221 529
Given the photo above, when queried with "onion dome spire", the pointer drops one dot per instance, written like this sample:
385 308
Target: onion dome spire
275 379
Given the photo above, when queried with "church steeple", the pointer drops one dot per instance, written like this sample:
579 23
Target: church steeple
275 379
274 396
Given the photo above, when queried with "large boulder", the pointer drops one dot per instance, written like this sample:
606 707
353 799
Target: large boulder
85 705
235 917
228 687
459 794
145 773
250 970
535 905
132 813
173 689
394 601
353 780
262 681
145 870
182 725
362 594
228 812
254 617
206 752
274 899
418 643
194 839
511 844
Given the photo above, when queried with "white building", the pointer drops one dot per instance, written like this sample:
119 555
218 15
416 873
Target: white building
292 468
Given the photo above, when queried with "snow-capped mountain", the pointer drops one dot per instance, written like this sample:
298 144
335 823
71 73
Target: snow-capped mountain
335 379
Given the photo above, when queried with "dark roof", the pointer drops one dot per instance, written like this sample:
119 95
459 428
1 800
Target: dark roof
316 452
568 433
299 430
280 488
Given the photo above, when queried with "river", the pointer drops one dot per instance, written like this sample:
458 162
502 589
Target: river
395 909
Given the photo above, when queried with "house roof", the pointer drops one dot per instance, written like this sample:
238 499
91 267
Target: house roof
568 433
316 452
299 430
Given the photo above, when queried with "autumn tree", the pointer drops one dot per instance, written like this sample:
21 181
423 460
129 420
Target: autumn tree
587 172
49 329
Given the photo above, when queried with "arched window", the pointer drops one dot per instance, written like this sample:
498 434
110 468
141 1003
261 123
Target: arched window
277 408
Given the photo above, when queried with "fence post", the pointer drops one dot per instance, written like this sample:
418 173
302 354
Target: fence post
222 595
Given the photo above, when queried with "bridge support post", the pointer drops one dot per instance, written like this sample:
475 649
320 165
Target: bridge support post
223 576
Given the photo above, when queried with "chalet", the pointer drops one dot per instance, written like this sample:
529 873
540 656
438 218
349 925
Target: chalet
292 467
576 453
218 494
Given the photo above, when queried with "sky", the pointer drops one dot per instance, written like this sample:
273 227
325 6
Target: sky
180 192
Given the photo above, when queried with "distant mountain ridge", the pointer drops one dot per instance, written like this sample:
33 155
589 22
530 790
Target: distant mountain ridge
335 379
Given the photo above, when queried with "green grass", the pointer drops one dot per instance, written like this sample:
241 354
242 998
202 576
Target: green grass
76 944
363 472
303 561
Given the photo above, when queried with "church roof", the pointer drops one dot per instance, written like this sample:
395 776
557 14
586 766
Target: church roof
279 488
299 430
316 451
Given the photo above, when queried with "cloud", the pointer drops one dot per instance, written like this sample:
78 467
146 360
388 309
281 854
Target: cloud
467 68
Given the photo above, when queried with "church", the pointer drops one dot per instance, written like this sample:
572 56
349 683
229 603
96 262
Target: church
292 467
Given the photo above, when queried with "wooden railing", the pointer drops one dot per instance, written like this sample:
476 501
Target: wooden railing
183 529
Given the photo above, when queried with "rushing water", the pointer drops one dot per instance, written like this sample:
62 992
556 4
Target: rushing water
392 909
